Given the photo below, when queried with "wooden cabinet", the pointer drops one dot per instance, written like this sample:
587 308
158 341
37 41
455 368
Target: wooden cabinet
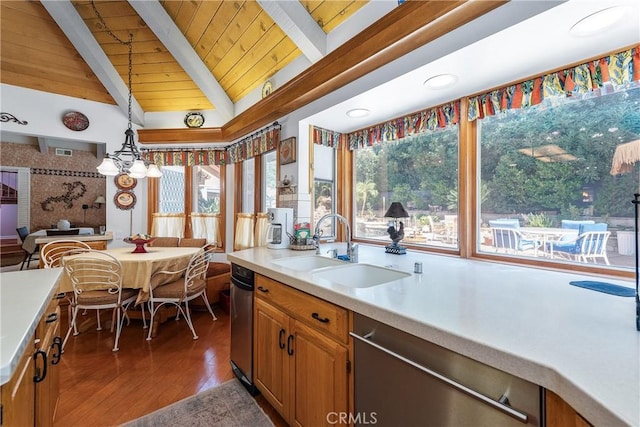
49 341
559 413
18 394
301 358
31 396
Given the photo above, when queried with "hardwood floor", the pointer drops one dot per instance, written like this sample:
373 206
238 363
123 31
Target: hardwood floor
99 387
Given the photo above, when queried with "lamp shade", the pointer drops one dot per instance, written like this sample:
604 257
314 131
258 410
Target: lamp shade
108 167
100 200
396 210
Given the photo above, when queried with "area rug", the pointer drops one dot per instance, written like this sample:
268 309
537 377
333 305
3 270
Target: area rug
227 405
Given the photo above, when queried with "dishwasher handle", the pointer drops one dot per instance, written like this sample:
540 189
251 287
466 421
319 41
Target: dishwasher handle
520 416
238 282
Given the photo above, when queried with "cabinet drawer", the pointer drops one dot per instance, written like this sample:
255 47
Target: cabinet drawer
50 319
321 315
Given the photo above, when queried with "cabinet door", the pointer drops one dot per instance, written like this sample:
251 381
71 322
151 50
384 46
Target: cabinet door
271 361
47 391
319 378
17 394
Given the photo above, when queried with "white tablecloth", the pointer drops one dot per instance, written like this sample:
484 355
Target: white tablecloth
29 243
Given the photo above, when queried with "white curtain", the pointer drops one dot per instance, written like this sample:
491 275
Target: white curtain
206 225
167 225
244 232
260 237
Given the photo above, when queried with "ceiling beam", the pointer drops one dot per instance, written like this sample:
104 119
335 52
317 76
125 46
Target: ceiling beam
43 145
394 35
172 38
299 25
71 23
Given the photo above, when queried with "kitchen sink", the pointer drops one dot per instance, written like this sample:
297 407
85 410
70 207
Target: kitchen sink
308 263
359 275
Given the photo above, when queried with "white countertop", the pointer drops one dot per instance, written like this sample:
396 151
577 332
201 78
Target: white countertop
578 343
24 296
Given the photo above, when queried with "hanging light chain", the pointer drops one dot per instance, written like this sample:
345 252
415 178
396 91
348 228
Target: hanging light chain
129 44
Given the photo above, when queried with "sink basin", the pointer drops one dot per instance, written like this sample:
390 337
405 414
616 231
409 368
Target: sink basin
359 275
307 263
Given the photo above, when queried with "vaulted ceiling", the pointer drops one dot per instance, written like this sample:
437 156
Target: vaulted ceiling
187 55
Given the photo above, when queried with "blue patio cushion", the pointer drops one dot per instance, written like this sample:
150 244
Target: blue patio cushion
505 223
574 246
573 224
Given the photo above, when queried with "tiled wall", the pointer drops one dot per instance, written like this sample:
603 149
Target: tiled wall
59 185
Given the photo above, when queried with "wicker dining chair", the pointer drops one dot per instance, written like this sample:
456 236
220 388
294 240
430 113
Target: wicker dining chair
96 278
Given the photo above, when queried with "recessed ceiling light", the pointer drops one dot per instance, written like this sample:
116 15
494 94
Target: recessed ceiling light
598 21
440 81
358 112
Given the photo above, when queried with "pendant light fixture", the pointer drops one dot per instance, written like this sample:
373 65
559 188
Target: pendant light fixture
128 158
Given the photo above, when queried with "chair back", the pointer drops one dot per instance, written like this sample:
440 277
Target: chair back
505 238
192 242
574 225
94 270
165 242
53 252
505 223
593 243
196 275
23 232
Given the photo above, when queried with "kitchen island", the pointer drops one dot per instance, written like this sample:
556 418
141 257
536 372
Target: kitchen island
531 323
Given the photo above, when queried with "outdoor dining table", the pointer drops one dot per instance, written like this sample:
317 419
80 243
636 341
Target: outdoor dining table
547 234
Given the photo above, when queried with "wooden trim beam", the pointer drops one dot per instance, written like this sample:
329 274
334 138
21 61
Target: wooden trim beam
401 31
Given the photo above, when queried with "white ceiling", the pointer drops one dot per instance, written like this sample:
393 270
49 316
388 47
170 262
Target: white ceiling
531 47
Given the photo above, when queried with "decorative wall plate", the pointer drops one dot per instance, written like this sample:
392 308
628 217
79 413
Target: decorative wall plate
125 182
124 200
267 88
194 120
75 120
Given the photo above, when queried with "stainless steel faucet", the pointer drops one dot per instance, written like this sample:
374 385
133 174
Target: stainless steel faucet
352 248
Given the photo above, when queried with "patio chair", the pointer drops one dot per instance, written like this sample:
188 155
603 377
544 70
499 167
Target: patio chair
590 244
23 232
572 225
508 237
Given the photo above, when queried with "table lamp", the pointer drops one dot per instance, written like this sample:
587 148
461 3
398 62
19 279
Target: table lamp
396 231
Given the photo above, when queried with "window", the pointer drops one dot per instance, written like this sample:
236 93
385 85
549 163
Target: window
248 185
421 172
548 170
324 159
183 190
269 180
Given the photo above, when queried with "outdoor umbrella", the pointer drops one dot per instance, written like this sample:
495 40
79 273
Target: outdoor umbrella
625 156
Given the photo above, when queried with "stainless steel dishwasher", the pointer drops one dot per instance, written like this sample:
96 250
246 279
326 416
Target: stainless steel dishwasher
402 380
242 289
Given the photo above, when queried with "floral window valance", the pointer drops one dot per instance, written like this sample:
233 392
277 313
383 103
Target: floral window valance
328 138
407 126
190 157
617 70
257 143
264 140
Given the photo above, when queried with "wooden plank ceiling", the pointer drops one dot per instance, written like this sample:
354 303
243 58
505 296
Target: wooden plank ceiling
238 42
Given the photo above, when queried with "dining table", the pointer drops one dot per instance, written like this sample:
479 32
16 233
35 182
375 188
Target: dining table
546 235
30 243
138 268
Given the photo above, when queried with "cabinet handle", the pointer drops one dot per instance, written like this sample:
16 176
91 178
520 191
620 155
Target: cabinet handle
51 318
320 319
57 350
289 346
37 378
261 289
500 405
280 336
61 295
